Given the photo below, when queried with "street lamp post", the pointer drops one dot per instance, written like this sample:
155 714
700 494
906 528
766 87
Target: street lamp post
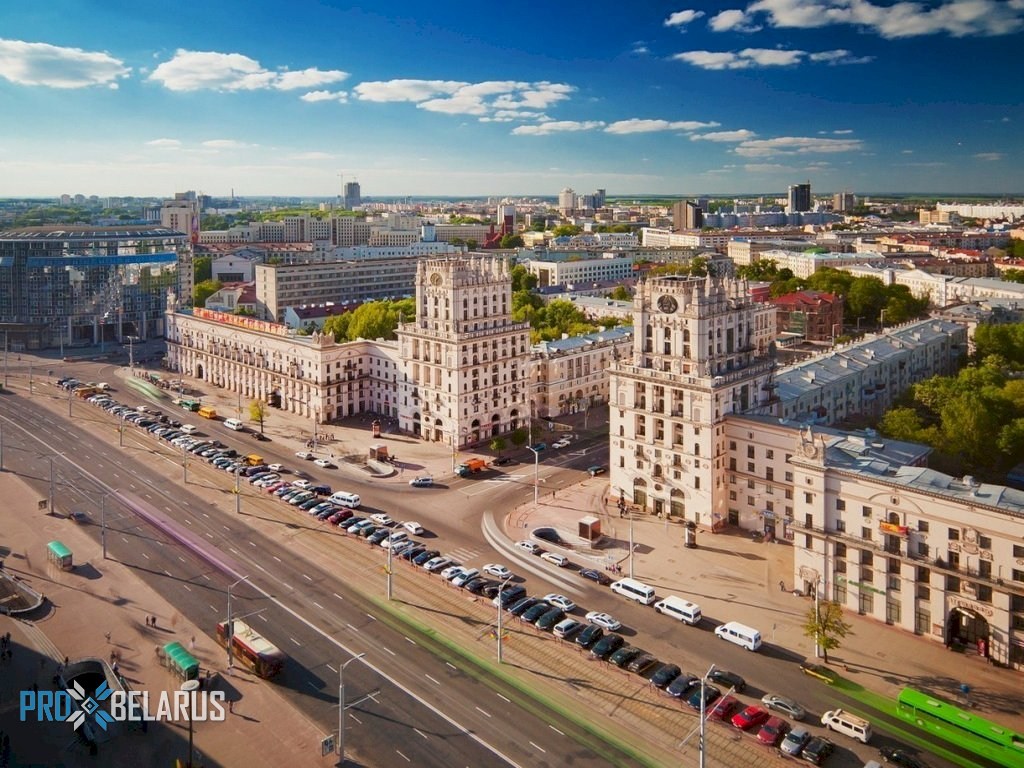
70 394
881 320
103 523
230 627
51 484
501 589
190 687
238 496
536 473
703 716
817 619
184 465
341 707
388 570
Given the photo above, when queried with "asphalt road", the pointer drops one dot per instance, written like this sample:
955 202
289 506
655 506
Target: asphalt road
423 705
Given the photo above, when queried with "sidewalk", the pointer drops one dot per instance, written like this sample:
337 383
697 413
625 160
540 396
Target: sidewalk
730 567
100 597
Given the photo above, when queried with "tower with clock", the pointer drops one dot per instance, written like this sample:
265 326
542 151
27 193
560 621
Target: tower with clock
700 352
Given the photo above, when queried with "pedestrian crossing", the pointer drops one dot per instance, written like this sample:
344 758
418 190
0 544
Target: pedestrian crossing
464 554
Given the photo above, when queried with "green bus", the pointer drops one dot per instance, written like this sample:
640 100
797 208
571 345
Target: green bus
966 730
190 405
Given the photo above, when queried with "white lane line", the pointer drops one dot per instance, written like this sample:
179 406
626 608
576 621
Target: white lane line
205 576
371 618
276 558
331 668
168 573
204 514
403 756
225 527
318 605
145 555
449 664
260 567
169 509
188 521
263 618
209 535
384 647
186 586
337 595
354 629
306 578
410 640
234 551
212 608
421 733
294 640
556 730
482 712
125 540
252 543
355 718
537 746
435 682
507 701
288 586
181 558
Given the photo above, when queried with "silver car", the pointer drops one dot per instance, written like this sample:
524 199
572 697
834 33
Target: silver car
784 704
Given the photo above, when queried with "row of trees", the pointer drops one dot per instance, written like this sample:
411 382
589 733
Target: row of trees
864 297
548 321
974 421
373 320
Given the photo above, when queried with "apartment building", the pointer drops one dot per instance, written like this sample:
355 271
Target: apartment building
570 374
576 268
815 315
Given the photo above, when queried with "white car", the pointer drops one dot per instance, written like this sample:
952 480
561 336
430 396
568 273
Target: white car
382 518
435 564
304 484
276 467
563 443
413 527
460 579
394 540
188 429
304 455
604 620
324 463
497 570
451 572
553 557
528 546
560 601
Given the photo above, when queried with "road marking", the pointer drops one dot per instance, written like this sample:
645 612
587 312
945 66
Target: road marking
337 595
556 730
371 618
448 663
288 586
205 576
401 755
318 605
209 535
312 685
212 608
435 682
306 577
225 527
421 733
188 521
410 640
168 573
276 558
204 514
384 647
260 567
124 539
252 543
482 712
331 668
168 509
186 586
263 618
537 746
509 701
181 558
145 555
355 718
354 629
294 640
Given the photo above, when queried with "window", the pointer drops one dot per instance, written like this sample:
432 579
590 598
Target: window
808 541
954 534
866 511
865 533
840 504
984 542
922 526
750 451
1018 575
789 477
985 569
751 485
840 566
808 498
696 483
750 466
769 454
769 474
923 575
922 548
866 558
1018 551
840 525
789 493
865 602
840 550
732 495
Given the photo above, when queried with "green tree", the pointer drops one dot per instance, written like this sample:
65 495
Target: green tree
902 306
498 445
204 290
866 297
1013 275
373 320
901 424
522 279
1005 340
203 268
621 293
566 230
511 241
337 326
519 437
824 624
258 412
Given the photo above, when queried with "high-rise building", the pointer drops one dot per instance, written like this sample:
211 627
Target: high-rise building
799 198
687 215
353 196
566 201
700 352
843 202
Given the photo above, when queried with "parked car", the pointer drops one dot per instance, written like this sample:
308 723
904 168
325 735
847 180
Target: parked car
324 463
596 470
784 704
501 461
529 546
467 573
595 575
522 605
539 447
793 743
664 675
817 750
901 757
728 679
708 694
642 663
535 611
509 595
682 685
497 570
436 564
413 552
606 646
550 618
382 518
560 601
422 482
475 585
424 557
566 628
603 620
723 709
378 536
773 730
588 636
624 655
750 717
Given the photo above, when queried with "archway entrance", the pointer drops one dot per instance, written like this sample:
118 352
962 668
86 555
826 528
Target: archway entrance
967 628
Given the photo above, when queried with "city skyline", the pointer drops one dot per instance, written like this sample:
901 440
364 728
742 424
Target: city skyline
712 97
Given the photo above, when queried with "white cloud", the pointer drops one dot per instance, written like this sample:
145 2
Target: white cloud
750 58
512 115
405 90
640 47
682 18
796 145
733 21
226 144
164 143
842 132
57 67
315 96
210 70
766 168
311 156
989 156
957 18
638 125
725 136
556 126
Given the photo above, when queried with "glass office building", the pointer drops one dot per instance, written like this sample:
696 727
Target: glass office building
70 286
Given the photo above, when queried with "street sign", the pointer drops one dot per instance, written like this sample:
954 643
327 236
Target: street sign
43 504
327 746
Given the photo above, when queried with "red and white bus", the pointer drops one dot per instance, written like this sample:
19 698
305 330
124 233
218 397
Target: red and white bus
251 649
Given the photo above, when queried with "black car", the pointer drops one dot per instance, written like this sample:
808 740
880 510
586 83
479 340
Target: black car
665 674
595 575
490 588
901 757
474 585
524 604
624 655
535 611
422 557
681 685
549 618
413 552
260 436
728 679
642 663
710 695
501 461
511 595
368 531
589 635
379 535
606 646
817 750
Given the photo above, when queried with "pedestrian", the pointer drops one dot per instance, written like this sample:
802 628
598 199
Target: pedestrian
108 638
231 706
782 586
66 662
113 657
154 622
116 668
192 643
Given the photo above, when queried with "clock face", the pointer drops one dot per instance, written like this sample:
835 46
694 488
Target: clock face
667 304
435 279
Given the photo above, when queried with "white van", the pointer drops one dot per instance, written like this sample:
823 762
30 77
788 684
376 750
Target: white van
843 722
345 499
741 634
680 609
635 590
234 424
188 429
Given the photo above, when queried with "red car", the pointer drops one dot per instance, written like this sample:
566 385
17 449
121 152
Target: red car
751 717
723 709
772 731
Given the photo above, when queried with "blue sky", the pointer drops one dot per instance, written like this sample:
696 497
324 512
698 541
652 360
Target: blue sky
712 97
